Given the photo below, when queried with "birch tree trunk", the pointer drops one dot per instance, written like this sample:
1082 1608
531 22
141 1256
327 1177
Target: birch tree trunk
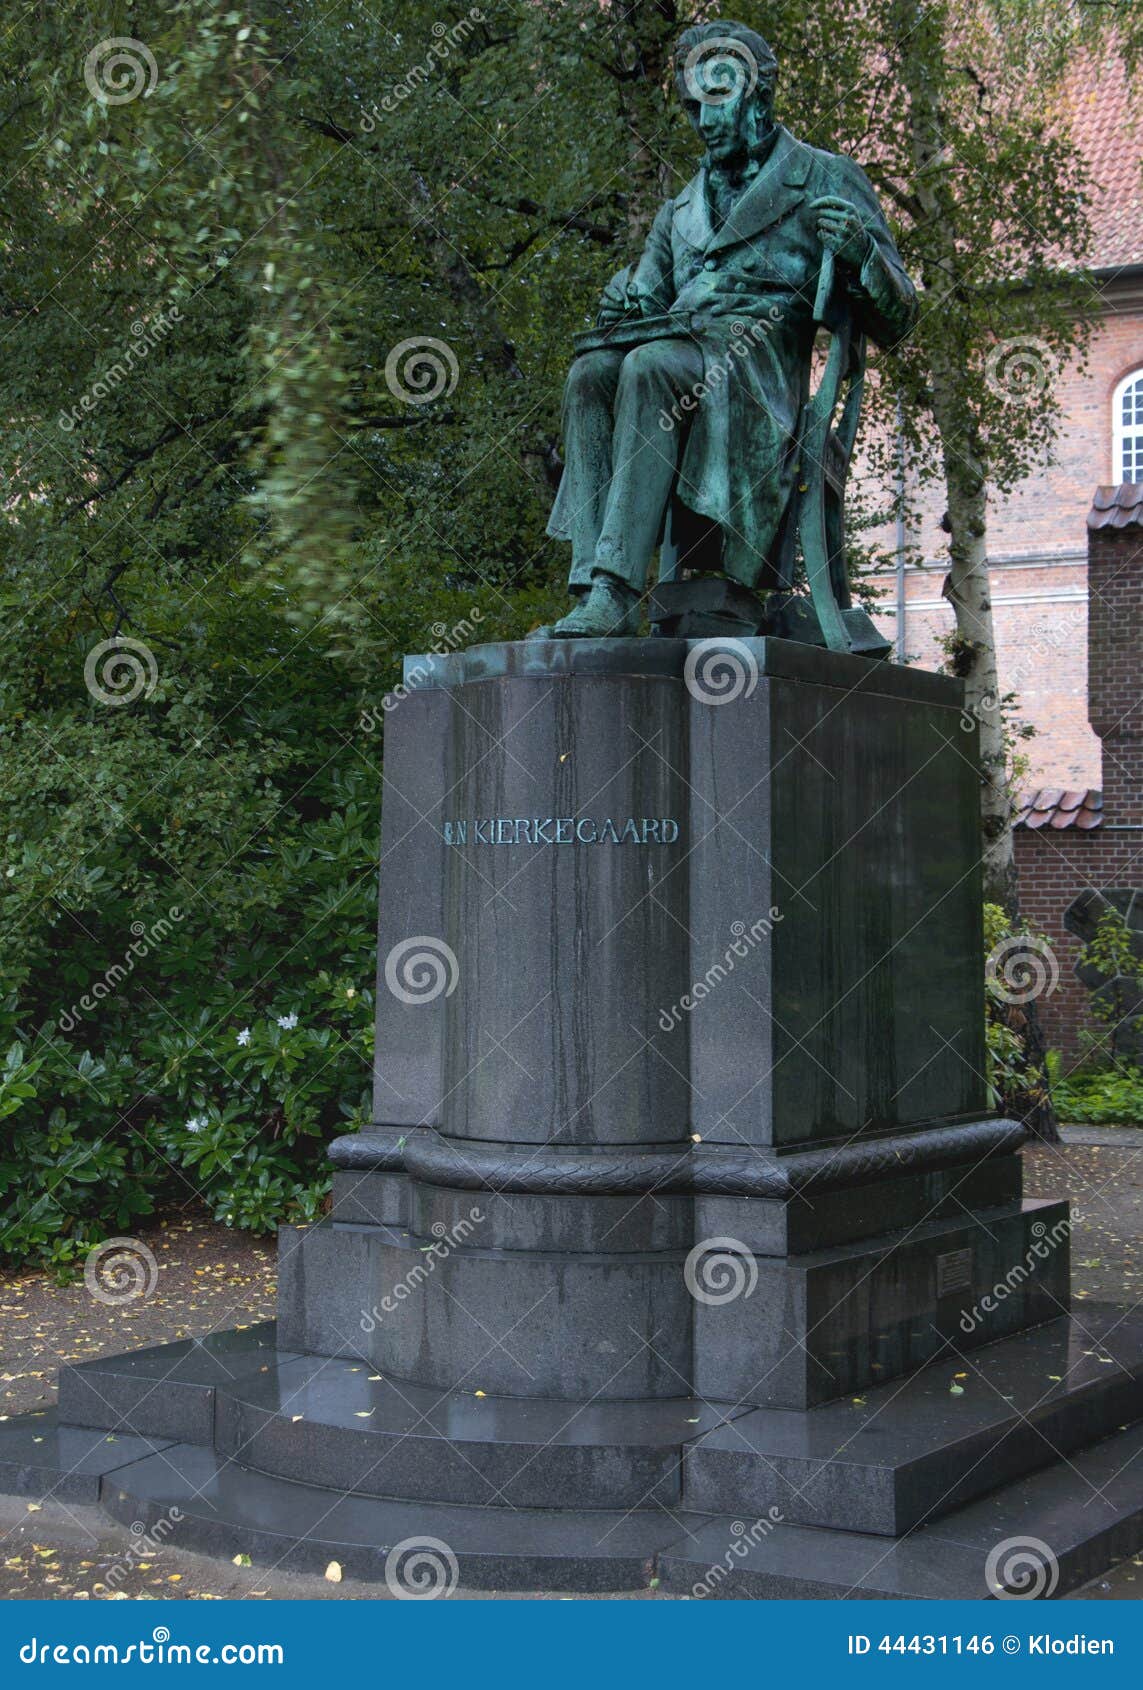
920 42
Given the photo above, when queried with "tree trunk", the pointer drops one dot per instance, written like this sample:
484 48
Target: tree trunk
644 33
921 44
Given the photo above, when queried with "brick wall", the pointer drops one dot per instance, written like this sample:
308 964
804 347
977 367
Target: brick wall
1040 620
1038 564
1055 865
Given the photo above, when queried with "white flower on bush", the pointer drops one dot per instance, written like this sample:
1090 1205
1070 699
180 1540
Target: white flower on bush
244 1036
287 1022
351 991
197 1122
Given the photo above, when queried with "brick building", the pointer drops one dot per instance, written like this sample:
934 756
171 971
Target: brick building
1068 842
1037 554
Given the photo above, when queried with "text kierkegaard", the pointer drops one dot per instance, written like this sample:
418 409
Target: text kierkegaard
561 830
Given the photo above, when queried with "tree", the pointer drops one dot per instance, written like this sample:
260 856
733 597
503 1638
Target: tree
287 292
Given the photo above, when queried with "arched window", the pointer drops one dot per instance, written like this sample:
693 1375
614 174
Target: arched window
1127 429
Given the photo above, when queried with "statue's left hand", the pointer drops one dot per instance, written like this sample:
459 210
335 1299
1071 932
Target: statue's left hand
842 229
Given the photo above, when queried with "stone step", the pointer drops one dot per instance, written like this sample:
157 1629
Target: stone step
336 1423
40 1457
899 1455
906 1452
166 1391
223 1509
1046 1534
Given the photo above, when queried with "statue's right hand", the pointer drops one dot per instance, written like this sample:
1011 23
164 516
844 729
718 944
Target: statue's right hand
619 300
610 312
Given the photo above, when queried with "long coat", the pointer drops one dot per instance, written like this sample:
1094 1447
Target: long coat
752 286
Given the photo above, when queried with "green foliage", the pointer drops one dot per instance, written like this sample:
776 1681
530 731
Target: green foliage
1110 962
193 1020
1108 1094
216 297
1012 1071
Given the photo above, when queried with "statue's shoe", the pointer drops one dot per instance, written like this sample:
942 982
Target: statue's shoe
610 611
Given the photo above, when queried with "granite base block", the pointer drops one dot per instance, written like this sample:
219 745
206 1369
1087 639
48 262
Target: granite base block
518 1323
1086 1512
819 1220
820 1326
370 1199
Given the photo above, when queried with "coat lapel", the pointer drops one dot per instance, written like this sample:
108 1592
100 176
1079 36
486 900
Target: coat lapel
692 214
774 192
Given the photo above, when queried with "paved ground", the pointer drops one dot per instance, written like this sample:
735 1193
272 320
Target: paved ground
209 1278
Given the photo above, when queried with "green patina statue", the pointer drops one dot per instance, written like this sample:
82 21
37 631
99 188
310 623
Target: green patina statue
690 403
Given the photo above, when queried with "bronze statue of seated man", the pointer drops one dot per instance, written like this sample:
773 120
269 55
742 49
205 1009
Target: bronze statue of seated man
700 397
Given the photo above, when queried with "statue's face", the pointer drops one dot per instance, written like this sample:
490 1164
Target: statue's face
725 107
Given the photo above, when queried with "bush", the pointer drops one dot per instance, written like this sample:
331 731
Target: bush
187 909
1015 1078
1097 1095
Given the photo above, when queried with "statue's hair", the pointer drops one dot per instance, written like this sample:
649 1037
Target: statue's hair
760 51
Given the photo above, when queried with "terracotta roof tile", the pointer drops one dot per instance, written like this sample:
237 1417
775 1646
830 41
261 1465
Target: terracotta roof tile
1050 807
1117 507
1106 118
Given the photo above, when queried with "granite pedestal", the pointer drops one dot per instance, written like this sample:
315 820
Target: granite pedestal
685 1236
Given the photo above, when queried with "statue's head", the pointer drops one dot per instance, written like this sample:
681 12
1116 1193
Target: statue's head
725 76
